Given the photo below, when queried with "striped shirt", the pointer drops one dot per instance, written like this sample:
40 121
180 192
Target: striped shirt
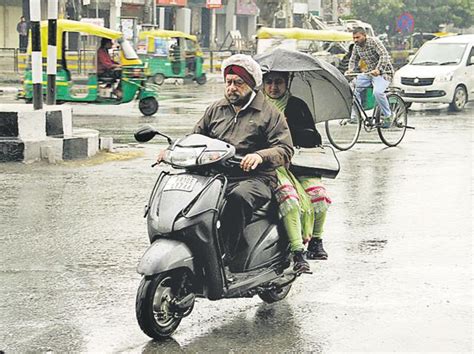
374 54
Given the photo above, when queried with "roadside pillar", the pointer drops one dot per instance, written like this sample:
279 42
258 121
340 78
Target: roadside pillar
36 58
52 52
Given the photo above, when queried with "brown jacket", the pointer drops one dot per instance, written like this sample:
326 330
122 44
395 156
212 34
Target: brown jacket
259 128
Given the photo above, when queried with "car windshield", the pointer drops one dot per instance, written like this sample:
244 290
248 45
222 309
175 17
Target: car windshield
439 54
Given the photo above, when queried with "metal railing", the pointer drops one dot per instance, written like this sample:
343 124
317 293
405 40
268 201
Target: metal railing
83 62
9 59
213 58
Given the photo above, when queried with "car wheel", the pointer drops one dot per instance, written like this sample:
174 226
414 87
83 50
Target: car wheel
459 99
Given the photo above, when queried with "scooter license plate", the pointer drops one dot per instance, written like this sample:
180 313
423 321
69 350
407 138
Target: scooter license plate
180 183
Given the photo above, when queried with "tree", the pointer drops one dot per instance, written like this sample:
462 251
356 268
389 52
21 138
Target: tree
267 11
379 13
428 15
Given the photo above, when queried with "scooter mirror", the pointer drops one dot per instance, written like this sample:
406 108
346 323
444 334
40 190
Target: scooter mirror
145 134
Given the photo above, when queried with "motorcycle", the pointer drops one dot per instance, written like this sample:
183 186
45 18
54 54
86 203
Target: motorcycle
186 258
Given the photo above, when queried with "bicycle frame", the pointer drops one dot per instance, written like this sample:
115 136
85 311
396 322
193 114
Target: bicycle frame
391 135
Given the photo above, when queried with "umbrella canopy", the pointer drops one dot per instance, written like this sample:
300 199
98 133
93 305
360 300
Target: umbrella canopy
324 89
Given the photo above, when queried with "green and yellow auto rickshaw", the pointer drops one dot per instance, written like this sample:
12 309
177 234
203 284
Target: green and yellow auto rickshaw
171 54
85 85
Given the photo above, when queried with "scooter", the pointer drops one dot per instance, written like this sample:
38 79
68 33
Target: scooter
186 258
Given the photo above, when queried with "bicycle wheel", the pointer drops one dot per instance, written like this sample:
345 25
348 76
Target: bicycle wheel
393 135
343 133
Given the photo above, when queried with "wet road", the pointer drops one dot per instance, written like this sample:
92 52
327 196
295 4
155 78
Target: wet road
399 238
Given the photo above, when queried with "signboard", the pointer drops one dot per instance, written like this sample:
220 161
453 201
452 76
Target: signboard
405 22
246 7
171 2
213 4
127 26
94 21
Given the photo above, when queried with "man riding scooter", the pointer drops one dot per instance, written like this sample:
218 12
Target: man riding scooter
259 133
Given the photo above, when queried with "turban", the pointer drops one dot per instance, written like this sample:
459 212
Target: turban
245 67
240 72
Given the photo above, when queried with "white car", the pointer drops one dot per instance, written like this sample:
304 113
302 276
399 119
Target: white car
442 71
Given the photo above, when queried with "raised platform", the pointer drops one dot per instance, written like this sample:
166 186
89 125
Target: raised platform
27 135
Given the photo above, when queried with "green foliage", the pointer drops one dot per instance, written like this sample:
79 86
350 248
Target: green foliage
428 15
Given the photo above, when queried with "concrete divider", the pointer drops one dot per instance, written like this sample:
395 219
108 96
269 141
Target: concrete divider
27 135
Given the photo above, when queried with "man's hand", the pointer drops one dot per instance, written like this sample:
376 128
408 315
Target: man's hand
161 156
375 72
250 162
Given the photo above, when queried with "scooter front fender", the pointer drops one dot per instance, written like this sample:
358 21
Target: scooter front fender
165 254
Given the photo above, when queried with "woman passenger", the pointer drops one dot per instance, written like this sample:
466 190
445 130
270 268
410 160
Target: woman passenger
303 200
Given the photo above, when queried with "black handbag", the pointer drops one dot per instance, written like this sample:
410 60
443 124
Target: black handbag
318 161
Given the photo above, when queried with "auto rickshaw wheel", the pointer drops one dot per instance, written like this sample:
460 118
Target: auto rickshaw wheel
201 80
159 79
148 106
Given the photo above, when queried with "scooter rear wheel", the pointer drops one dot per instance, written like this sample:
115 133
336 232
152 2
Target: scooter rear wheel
154 304
275 295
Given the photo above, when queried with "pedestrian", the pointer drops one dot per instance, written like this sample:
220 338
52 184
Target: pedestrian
22 29
259 133
379 71
303 200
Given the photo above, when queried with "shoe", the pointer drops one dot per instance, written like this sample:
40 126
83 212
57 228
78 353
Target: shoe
300 264
387 121
316 249
353 121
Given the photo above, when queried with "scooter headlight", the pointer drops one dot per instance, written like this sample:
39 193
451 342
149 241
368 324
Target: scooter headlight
183 156
211 156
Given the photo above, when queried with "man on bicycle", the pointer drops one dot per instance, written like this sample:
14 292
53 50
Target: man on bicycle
379 71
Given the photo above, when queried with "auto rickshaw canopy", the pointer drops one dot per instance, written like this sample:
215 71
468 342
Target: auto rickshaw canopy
304 34
73 26
166 35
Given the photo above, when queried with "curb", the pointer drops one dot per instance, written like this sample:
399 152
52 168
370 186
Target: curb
27 135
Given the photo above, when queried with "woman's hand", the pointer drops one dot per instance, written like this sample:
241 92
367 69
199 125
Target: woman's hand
250 162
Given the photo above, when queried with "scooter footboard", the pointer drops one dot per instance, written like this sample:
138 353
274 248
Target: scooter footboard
165 254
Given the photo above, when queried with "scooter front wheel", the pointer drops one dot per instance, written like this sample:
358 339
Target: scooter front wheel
155 306
274 295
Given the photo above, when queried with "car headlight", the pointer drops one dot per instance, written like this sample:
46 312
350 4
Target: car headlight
445 77
183 156
397 79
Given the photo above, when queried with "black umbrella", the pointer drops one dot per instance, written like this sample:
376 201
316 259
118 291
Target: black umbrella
324 89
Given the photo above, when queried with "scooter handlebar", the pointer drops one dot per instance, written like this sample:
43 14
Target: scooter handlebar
235 160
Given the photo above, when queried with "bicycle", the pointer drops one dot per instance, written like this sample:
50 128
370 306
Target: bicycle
344 133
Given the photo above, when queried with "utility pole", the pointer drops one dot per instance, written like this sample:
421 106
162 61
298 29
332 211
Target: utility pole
288 9
212 37
52 51
149 7
36 57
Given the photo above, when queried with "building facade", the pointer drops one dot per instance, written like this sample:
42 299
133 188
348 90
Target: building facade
190 16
